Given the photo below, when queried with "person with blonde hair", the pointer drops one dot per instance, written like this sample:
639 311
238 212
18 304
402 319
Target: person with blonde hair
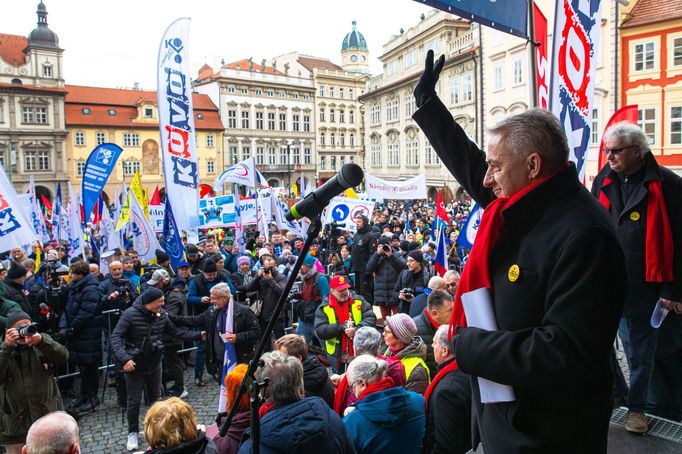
229 444
170 426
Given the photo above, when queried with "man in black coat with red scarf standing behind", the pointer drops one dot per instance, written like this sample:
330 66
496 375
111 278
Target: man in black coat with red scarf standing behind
547 255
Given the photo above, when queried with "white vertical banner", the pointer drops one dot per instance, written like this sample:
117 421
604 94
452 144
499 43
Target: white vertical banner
176 123
37 214
75 230
144 237
15 229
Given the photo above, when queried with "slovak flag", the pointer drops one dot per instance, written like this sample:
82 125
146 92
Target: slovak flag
230 358
441 262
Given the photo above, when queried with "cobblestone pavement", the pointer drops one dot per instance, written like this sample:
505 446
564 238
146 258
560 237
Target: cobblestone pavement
104 431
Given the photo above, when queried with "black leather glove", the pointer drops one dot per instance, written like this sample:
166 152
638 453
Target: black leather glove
426 87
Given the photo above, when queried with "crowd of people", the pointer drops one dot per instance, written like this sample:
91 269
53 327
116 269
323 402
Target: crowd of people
377 351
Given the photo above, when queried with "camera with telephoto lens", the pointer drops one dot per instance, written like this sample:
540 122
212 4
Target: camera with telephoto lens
268 270
27 330
408 291
386 248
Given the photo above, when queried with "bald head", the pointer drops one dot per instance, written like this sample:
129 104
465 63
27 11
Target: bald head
54 433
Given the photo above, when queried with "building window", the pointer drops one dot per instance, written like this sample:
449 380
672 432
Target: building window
79 139
331 92
259 92
342 116
100 137
36 160
296 122
233 155
272 159
131 139
283 156
282 122
322 115
322 136
518 71
412 151
646 119
350 93
271 93
351 115
333 162
375 155
467 88
595 128
80 167
392 67
677 51
210 140
321 92
260 155
232 119
323 162
306 123
282 94
244 90
410 105
351 140
246 152
645 54
332 139
342 140
210 166
454 90
375 114
342 161
676 125
86 111
498 77
341 93
34 115
410 58
47 71
130 167
111 112
245 119
392 110
231 89
271 121
148 112
393 154
306 96
307 156
332 115
294 95
259 120
432 158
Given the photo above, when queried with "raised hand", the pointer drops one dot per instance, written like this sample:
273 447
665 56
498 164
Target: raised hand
426 87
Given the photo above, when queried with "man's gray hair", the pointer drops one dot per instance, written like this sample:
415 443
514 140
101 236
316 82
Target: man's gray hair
435 282
367 341
450 273
222 289
535 131
441 336
286 378
437 299
629 135
366 367
54 433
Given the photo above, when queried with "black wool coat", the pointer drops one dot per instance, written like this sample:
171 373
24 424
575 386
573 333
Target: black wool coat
386 270
84 318
556 321
630 220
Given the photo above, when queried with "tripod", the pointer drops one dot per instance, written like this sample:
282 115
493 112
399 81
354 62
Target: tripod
250 381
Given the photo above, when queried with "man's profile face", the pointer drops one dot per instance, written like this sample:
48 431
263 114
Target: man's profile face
451 284
626 161
507 173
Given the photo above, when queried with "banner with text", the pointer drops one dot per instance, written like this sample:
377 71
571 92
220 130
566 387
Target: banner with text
412 189
541 63
15 228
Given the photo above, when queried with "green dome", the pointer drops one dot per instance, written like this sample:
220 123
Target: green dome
354 40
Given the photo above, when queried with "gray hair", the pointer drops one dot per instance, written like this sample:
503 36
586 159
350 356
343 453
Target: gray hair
435 282
54 433
535 131
368 368
442 335
367 340
222 289
629 134
450 273
437 298
286 378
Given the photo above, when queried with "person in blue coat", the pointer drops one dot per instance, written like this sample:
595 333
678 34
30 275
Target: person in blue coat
289 423
386 418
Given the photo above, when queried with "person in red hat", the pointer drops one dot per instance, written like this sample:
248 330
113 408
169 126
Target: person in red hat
337 319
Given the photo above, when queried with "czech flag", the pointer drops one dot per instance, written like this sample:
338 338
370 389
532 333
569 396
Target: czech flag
441 262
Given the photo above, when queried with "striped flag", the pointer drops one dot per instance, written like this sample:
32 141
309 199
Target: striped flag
441 262
230 358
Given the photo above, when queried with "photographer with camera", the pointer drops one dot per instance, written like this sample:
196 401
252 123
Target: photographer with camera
270 284
386 266
411 281
47 294
28 388
364 244
116 291
138 348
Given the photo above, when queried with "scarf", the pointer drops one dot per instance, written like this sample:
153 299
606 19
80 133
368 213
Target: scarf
248 277
342 311
476 273
265 408
434 324
381 385
451 367
340 396
221 318
659 238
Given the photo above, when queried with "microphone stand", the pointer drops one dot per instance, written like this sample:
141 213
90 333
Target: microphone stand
250 381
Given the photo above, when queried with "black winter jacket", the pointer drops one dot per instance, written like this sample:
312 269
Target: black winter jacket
386 270
426 331
109 286
84 321
407 279
316 380
269 291
364 244
14 293
130 332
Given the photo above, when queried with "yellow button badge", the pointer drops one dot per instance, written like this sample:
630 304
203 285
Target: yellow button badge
634 216
513 273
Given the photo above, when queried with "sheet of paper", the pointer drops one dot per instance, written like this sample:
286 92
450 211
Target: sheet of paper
478 308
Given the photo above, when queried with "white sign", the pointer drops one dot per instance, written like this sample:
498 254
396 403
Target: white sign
343 211
242 173
144 237
15 228
412 189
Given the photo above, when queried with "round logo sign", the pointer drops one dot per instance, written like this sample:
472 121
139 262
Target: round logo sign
359 211
340 212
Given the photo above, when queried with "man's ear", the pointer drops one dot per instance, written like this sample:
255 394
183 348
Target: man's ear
534 163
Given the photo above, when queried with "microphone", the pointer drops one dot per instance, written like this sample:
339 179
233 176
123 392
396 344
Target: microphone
350 176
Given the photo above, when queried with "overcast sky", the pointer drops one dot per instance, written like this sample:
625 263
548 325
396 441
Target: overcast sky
115 43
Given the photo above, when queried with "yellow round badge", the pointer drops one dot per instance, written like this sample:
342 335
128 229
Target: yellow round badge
634 216
513 273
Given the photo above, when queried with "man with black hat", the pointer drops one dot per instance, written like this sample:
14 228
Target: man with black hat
163 260
138 348
411 281
385 264
27 385
14 287
195 258
364 244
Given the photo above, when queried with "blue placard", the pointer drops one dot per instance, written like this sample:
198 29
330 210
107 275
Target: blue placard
96 172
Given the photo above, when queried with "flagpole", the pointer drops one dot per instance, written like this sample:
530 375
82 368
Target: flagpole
533 63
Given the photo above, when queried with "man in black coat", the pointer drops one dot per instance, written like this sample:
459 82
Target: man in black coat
386 265
116 291
633 187
415 277
556 272
437 313
364 244
244 335
270 284
14 288
138 347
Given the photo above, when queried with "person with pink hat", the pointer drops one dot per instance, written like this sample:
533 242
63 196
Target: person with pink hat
400 335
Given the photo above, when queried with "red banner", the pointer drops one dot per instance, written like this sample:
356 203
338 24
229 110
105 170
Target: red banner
627 113
541 63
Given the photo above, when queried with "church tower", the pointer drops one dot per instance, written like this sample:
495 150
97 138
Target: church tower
354 52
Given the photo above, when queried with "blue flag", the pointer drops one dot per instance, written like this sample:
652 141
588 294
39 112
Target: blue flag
171 241
468 233
96 172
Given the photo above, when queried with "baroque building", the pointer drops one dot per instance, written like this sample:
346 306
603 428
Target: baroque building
32 128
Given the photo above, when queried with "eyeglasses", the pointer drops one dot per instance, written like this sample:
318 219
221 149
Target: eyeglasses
452 284
607 150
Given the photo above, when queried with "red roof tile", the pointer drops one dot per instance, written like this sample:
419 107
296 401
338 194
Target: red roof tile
322 63
652 11
100 100
244 64
12 49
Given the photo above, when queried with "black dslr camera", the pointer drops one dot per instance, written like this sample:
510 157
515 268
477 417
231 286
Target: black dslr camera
26 330
408 291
